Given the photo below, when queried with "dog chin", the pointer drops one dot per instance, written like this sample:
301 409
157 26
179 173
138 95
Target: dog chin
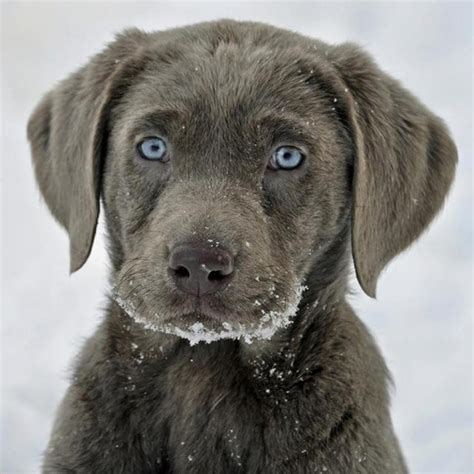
197 327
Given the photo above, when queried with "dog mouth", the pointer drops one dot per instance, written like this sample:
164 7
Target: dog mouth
204 324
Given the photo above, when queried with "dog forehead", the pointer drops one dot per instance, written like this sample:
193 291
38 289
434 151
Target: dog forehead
248 77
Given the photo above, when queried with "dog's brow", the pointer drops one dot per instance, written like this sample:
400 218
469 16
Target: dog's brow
288 127
157 119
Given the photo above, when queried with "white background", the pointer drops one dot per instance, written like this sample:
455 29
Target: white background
422 318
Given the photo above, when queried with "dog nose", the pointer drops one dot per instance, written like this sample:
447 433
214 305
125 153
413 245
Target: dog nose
200 270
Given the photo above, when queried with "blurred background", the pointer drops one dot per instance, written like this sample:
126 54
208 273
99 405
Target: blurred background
422 318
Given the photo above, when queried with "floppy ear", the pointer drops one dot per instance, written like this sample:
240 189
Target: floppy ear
67 134
404 163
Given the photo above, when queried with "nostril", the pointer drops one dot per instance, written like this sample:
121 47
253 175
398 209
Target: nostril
216 276
181 272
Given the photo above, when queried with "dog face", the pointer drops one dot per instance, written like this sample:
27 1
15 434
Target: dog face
235 162
225 117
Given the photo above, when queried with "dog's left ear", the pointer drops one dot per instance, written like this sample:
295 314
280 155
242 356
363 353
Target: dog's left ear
404 162
67 133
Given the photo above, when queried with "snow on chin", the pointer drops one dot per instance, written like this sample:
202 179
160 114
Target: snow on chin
264 329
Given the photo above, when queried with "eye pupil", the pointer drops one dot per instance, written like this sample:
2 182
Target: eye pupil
153 148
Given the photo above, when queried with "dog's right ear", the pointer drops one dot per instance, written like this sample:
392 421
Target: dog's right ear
67 134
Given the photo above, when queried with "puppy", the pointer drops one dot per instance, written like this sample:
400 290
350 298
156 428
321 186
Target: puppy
240 168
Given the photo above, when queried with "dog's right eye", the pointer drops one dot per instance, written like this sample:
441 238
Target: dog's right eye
153 148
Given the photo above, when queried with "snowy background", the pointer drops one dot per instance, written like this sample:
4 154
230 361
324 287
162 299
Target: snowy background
423 316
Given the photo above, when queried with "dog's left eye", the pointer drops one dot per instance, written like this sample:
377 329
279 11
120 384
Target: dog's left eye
286 158
153 148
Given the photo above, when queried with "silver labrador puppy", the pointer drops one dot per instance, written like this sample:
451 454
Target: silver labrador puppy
240 168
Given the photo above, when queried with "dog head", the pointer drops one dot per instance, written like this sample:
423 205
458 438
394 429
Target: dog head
236 162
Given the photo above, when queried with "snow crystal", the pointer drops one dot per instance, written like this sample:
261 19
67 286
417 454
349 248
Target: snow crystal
197 327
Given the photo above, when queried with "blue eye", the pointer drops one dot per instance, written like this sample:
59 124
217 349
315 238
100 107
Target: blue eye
286 158
153 148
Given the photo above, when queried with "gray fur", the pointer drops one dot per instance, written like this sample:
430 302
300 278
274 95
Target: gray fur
314 398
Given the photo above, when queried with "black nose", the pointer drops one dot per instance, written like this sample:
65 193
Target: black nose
200 269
